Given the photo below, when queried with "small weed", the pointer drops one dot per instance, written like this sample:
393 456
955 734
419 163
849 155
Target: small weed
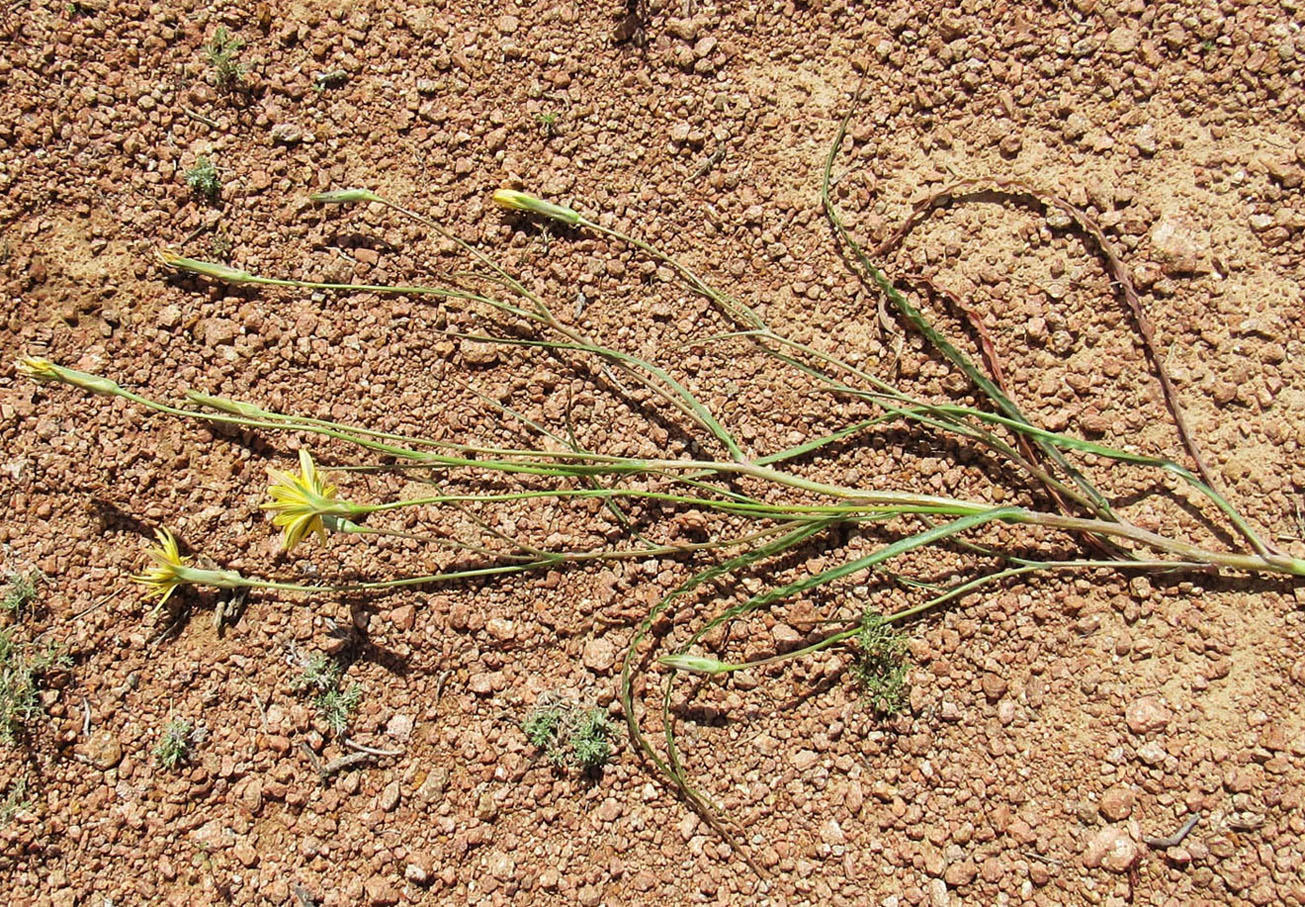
318 673
20 672
221 245
337 707
174 746
569 734
881 666
322 676
547 123
541 727
15 801
222 50
591 739
20 593
330 79
203 178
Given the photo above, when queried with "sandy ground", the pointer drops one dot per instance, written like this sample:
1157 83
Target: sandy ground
1054 724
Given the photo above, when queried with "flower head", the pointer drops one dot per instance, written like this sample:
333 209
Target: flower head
532 204
299 502
169 570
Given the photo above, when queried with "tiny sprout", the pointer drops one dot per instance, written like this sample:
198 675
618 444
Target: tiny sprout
174 748
568 734
221 50
337 707
203 178
20 592
881 664
531 204
344 196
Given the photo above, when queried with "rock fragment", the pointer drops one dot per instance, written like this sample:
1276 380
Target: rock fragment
1146 716
1111 848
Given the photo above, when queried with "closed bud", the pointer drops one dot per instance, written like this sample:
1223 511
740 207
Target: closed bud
211 269
345 196
531 204
44 370
696 664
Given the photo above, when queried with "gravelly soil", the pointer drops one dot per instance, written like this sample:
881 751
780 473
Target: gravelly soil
1053 725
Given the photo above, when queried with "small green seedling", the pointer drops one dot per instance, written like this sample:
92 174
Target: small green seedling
204 179
338 706
20 674
221 245
330 79
222 50
174 747
547 123
322 676
569 734
881 665
318 673
15 801
20 593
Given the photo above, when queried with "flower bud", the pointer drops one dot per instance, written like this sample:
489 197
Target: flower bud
522 201
694 663
211 269
345 196
44 370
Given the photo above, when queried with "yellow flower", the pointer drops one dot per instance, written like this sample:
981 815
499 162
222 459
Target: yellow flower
300 502
169 570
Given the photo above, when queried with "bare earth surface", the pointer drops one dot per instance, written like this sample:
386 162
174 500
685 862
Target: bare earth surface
1053 724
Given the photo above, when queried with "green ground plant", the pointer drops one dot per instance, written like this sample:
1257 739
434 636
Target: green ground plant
203 178
174 744
222 50
322 676
21 667
569 735
765 505
15 801
547 123
881 664
19 592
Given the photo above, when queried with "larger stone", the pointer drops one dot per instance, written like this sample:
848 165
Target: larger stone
1146 716
1111 848
103 749
599 656
1181 244
1117 803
